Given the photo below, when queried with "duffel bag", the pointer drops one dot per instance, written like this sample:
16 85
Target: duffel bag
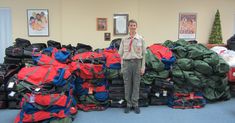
116 88
39 46
63 120
3 95
187 100
88 71
7 71
14 104
83 48
122 95
44 115
3 104
13 51
117 82
115 95
11 60
117 103
56 44
90 57
162 83
143 102
11 84
20 42
2 87
156 100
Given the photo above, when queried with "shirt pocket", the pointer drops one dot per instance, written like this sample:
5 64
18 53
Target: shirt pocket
126 46
139 48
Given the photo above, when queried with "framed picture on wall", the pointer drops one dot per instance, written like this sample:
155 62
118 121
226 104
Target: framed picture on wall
101 24
38 22
120 24
107 36
187 26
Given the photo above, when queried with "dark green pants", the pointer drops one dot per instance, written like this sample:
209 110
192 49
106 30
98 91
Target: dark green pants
131 77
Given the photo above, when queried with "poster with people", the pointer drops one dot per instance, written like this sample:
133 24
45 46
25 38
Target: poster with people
38 24
187 26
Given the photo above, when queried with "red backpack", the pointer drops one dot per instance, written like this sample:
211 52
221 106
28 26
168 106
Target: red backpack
88 71
161 51
112 58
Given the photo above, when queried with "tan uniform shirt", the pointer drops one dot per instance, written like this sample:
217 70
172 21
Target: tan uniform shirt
135 51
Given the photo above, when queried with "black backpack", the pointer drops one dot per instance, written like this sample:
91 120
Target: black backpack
116 43
231 43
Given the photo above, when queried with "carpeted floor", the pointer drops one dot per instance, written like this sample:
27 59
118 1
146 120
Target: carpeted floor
221 112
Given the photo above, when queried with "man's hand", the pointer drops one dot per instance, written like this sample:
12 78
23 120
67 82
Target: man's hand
142 71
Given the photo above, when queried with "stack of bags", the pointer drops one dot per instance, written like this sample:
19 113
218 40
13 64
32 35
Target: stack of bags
46 89
91 86
161 92
6 84
116 93
21 52
199 69
15 54
116 90
159 60
187 100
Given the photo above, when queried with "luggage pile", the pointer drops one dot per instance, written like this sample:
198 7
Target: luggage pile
91 90
199 69
61 79
6 86
117 94
187 100
161 92
21 52
159 60
46 88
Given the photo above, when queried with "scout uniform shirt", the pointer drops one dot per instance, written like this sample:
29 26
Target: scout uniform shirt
133 48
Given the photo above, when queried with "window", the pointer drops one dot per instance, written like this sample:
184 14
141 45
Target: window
5 31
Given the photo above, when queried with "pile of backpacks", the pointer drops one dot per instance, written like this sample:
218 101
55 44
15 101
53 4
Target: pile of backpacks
21 52
91 86
46 88
199 69
161 91
231 46
7 71
50 82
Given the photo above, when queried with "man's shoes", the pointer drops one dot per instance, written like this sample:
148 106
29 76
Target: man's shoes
137 110
127 110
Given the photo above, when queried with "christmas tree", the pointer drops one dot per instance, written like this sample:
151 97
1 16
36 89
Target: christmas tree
216 33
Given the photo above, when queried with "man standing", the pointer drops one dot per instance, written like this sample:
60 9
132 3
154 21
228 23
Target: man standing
132 51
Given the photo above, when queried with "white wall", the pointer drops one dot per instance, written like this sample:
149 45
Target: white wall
234 25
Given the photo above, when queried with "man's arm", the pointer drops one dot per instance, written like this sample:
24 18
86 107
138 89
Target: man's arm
143 59
120 51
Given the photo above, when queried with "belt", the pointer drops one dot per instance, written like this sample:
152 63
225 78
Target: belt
131 60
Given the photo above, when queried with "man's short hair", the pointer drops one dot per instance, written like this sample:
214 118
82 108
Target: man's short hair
132 21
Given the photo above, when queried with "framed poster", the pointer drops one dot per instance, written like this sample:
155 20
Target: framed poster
38 22
101 24
187 25
120 24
